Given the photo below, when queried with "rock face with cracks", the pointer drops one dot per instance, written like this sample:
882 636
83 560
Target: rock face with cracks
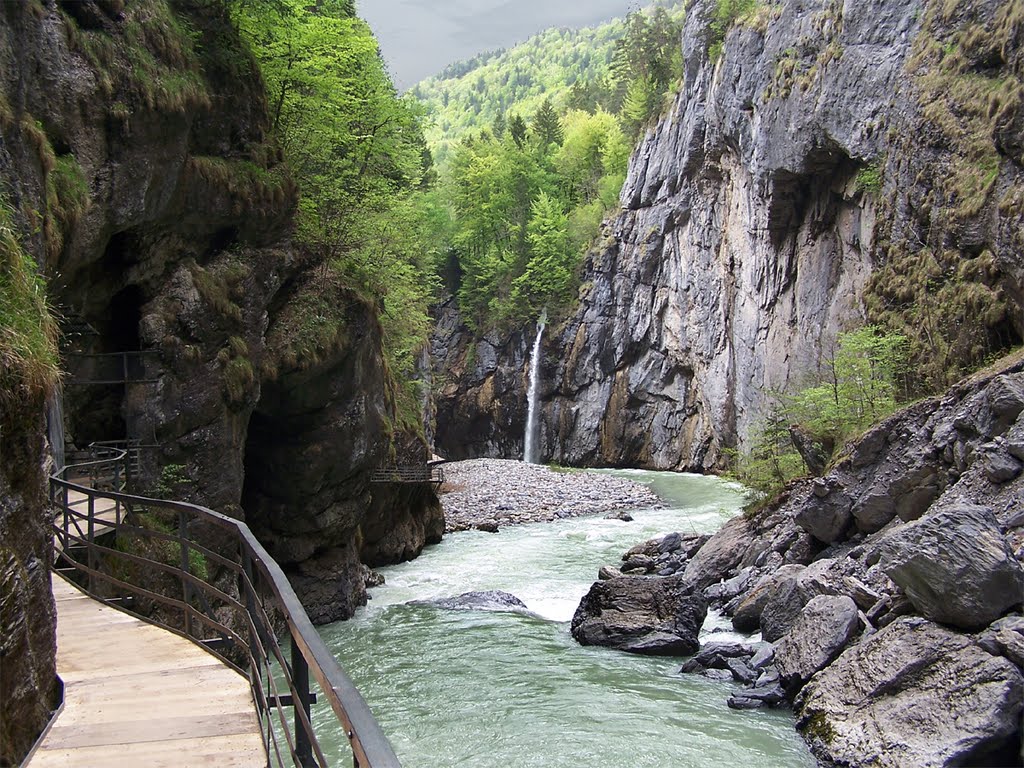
814 162
913 694
147 185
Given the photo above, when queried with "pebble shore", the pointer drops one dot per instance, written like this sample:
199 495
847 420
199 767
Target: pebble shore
488 494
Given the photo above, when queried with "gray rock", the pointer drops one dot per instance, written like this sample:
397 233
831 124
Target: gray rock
490 600
764 656
955 567
717 559
620 515
608 572
715 654
825 522
747 617
820 633
651 616
741 672
914 694
1001 467
781 609
743 701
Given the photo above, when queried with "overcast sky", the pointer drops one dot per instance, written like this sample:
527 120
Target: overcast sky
419 38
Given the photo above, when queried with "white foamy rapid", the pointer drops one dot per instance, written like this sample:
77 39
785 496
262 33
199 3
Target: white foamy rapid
479 689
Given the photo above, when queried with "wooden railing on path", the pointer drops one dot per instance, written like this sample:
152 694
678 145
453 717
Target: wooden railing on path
423 473
236 618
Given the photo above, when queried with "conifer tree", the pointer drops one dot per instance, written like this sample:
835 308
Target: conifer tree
546 125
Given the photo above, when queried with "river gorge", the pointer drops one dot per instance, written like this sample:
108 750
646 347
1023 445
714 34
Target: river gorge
512 688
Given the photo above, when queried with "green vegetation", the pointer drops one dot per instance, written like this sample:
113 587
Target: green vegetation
359 160
728 13
583 69
860 381
946 300
28 332
525 209
535 143
869 178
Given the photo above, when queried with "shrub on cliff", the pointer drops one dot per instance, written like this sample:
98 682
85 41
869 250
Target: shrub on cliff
28 333
858 383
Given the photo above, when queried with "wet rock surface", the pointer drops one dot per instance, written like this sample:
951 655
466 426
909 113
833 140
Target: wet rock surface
489 600
650 616
489 494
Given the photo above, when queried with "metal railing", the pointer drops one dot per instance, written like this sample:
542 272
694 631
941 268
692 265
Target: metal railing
423 473
111 367
233 615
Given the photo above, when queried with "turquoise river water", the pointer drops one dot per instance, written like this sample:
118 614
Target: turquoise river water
506 690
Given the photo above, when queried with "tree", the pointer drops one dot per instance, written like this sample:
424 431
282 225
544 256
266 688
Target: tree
547 128
517 130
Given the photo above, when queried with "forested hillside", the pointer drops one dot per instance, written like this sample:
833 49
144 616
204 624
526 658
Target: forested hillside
358 156
575 69
533 146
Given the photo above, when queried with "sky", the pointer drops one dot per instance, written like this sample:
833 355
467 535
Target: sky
419 38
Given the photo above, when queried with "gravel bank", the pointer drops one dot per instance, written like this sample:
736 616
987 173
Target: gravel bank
493 493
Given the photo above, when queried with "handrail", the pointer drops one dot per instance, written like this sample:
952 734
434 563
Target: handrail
420 473
126 367
263 593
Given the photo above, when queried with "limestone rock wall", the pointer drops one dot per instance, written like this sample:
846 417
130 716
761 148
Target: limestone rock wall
920 527
27 617
810 178
156 200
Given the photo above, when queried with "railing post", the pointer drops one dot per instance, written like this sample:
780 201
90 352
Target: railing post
186 585
90 537
300 679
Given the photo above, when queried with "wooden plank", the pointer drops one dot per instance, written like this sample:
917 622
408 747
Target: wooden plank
136 695
220 751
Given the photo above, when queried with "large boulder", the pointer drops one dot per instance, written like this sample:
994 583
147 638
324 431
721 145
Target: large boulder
820 633
747 617
914 694
721 555
654 616
955 567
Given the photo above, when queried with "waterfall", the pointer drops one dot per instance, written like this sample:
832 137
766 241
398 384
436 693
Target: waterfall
531 440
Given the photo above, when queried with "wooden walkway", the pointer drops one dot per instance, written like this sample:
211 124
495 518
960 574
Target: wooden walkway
104 513
138 695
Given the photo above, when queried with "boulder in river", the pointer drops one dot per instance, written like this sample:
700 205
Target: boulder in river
955 566
913 694
819 634
653 616
489 600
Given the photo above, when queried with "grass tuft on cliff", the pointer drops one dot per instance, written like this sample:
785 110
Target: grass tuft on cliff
152 59
28 333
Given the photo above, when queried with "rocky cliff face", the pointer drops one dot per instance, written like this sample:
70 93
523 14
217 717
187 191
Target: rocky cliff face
814 176
919 532
136 149
27 619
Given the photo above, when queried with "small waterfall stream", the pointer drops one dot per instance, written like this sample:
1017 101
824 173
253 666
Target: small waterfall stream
531 440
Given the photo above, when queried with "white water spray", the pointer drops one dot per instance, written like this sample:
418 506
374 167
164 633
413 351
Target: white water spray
531 440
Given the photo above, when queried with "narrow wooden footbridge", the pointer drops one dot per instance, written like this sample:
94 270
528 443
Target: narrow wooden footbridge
180 641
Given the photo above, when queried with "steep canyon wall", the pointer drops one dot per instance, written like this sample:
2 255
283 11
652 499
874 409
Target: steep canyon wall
138 159
793 190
